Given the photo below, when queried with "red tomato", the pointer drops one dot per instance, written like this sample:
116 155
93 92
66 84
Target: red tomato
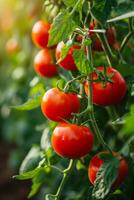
57 104
95 164
40 33
68 62
43 64
71 140
111 93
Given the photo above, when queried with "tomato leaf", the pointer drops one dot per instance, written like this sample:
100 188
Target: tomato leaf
65 49
30 104
102 8
72 3
45 140
105 176
37 181
121 17
31 160
27 175
62 26
34 101
81 61
128 127
131 148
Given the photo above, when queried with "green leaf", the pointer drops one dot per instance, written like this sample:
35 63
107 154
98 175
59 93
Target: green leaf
30 104
27 175
106 176
38 89
62 26
131 148
81 61
121 17
45 140
31 161
129 119
34 100
102 8
80 166
72 3
37 181
65 49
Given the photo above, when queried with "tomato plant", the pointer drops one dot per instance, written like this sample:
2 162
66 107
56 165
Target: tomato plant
91 99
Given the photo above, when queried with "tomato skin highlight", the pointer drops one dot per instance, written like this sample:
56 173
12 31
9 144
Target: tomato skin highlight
43 64
57 105
40 33
68 62
96 163
110 94
71 140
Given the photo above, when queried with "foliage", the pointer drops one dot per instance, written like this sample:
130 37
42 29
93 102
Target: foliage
20 97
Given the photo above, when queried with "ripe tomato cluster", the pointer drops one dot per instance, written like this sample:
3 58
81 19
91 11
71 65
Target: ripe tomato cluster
43 62
72 140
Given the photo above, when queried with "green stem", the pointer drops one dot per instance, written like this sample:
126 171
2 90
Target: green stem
112 113
66 174
56 168
90 105
75 7
128 36
125 41
71 81
109 54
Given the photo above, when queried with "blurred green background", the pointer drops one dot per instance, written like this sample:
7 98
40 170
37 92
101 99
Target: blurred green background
17 129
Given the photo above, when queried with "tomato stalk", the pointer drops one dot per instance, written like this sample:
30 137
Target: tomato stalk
66 174
90 105
75 7
109 54
71 81
128 36
112 113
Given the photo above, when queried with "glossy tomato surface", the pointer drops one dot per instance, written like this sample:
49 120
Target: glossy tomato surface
40 33
68 62
71 140
43 64
57 105
96 163
111 93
